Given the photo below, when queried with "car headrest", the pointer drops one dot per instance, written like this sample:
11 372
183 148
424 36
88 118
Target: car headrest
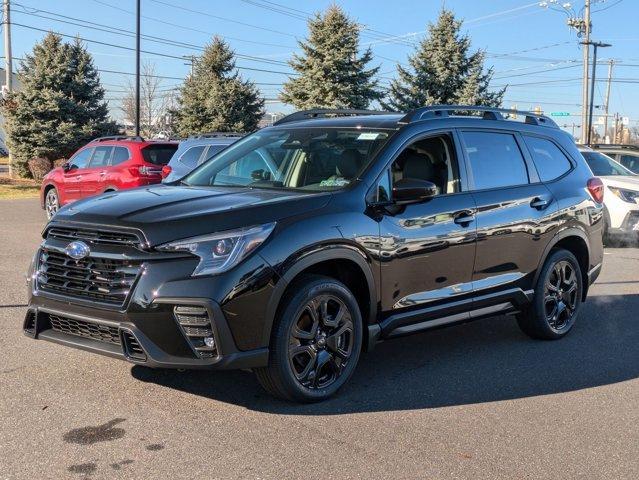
350 161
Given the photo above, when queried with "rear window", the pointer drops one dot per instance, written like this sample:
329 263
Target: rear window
159 154
604 166
191 156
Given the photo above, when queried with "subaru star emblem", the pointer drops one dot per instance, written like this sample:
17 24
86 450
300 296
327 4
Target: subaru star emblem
77 250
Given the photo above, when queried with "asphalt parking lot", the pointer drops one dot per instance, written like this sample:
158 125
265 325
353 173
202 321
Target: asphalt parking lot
474 401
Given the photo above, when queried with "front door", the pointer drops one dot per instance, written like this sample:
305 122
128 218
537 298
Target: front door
94 177
427 249
74 175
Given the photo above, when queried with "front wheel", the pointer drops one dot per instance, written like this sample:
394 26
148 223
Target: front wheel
51 203
557 298
316 341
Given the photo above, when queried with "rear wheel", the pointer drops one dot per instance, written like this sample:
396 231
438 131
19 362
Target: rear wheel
51 203
316 342
557 299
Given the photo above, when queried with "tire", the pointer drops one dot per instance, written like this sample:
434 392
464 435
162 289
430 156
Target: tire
51 203
312 355
557 299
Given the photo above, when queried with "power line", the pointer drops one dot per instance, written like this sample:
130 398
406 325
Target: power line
192 29
151 38
237 22
165 55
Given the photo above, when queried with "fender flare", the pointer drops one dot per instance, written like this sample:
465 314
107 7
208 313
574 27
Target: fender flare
568 232
303 260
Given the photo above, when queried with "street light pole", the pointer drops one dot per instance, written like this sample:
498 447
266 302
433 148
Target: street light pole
584 90
588 125
137 70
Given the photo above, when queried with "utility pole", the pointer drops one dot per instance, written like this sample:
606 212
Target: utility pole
8 63
8 66
137 70
610 64
190 61
588 125
584 87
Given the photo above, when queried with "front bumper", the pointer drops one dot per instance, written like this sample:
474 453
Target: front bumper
147 328
130 328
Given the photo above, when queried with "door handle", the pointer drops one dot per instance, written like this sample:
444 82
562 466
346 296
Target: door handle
78 177
539 203
102 174
463 218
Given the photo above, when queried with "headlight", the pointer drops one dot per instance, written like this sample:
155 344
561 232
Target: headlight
220 252
630 196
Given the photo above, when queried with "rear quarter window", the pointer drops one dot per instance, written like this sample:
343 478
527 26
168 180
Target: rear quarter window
550 161
158 154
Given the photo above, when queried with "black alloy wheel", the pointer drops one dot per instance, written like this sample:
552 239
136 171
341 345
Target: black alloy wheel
557 298
560 295
321 342
315 342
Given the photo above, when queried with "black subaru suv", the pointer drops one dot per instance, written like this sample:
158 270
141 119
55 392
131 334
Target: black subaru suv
308 242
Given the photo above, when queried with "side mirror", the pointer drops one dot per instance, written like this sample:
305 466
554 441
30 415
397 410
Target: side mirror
413 190
67 166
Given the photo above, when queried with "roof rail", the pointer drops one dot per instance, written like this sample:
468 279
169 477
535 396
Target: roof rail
326 112
623 146
489 113
118 137
216 134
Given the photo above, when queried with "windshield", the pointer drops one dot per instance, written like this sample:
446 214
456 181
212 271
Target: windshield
314 159
603 166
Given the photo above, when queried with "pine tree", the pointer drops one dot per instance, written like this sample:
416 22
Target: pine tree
60 105
443 71
331 74
215 97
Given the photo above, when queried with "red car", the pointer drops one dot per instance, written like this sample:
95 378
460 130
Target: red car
104 165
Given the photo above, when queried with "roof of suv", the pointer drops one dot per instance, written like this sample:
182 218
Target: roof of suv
128 140
331 118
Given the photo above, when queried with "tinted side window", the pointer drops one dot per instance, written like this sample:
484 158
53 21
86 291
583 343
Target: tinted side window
81 159
495 159
158 154
101 156
550 162
191 156
629 161
213 150
120 154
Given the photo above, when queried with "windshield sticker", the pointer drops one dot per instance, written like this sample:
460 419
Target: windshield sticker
368 136
334 182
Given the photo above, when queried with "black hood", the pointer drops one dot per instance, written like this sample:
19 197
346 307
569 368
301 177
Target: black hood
164 213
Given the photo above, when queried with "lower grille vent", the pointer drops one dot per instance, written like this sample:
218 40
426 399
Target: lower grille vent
81 328
132 347
196 325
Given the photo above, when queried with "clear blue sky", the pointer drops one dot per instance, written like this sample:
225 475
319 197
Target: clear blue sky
530 48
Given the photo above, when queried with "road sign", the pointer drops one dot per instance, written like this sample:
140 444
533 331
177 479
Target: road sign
625 121
559 114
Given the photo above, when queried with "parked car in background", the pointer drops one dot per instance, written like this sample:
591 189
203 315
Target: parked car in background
621 198
627 155
196 150
309 241
105 164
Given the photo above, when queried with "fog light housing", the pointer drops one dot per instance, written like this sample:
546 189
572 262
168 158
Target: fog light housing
196 324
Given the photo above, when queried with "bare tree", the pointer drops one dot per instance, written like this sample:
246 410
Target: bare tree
154 102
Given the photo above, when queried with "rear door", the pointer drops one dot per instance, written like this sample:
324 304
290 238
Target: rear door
91 183
114 172
515 211
73 177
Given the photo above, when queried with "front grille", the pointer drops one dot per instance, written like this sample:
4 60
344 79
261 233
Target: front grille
196 325
81 328
98 279
94 236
